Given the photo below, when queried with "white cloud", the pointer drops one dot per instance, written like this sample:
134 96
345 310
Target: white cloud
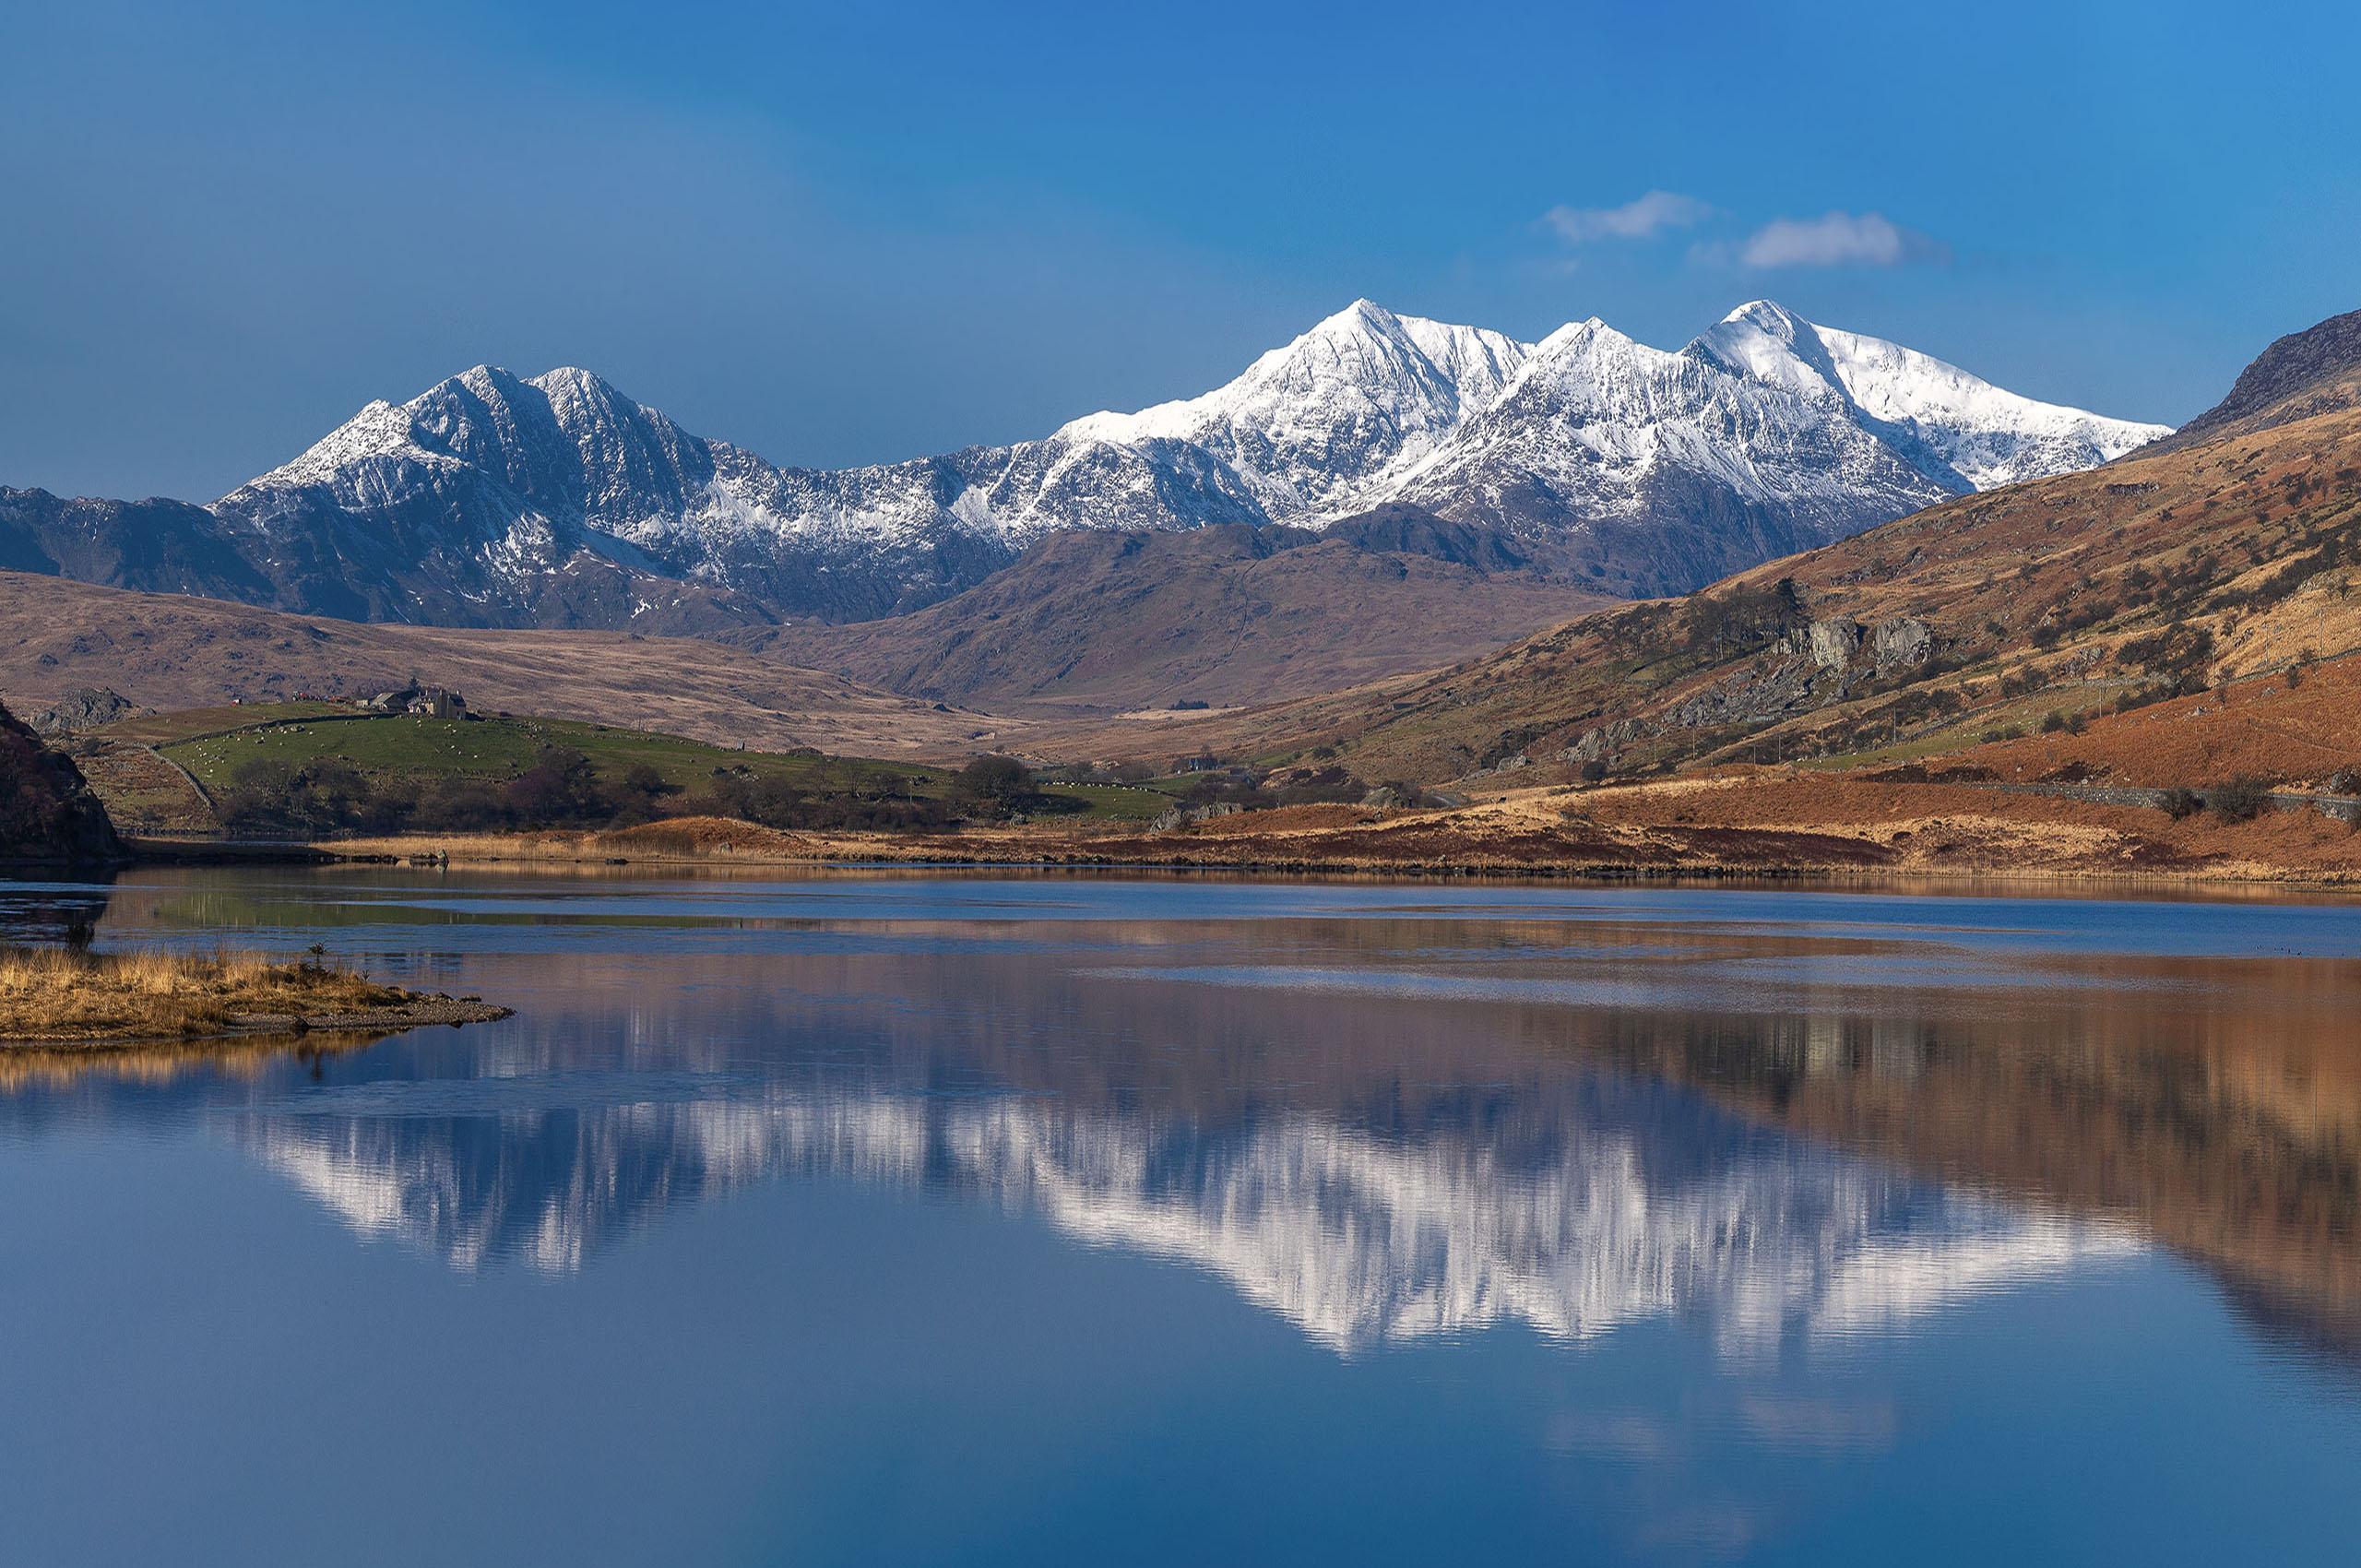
1644 219
1838 239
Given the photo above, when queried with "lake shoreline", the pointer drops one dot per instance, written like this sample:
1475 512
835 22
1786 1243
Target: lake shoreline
1778 830
537 859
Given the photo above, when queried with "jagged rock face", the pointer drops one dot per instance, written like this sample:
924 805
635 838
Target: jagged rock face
1809 667
48 815
493 500
1833 641
1902 641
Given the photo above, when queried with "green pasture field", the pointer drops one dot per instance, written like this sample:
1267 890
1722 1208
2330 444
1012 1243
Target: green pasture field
213 744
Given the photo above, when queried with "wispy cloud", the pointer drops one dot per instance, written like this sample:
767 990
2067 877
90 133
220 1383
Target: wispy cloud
1644 218
1838 239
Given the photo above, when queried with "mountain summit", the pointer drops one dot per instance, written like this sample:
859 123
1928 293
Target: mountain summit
493 500
1340 412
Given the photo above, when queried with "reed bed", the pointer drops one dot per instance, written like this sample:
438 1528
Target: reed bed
74 994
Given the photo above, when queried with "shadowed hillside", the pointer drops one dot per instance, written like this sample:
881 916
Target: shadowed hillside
1221 615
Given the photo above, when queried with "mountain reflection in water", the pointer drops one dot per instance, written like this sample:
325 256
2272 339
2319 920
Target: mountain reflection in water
1382 1128
1609 1202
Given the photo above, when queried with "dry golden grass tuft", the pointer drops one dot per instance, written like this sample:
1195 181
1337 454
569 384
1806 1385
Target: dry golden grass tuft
674 839
68 995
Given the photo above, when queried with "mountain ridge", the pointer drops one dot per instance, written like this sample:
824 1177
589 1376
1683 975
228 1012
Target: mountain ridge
2313 372
492 499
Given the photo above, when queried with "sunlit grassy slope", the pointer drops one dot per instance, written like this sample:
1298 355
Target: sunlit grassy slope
214 745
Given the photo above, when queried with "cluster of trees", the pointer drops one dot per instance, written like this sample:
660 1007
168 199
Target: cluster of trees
1297 787
2083 616
2241 799
783 803
1744 617
565 788
2175 651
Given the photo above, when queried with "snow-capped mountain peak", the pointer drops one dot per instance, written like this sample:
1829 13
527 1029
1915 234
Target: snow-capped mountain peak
1956 425
1585 350
1765 341
1638 468
1362 396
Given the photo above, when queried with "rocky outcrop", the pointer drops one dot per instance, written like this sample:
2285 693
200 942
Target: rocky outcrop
1835 641
48 813
1901 642
1753 696
1174 817
86 709
1806 668
1601 743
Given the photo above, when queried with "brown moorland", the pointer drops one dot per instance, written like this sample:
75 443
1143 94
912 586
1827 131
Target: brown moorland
171 651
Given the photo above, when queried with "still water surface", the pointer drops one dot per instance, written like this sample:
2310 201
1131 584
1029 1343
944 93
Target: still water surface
911 1220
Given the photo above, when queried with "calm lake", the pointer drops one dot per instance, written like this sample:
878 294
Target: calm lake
913 1219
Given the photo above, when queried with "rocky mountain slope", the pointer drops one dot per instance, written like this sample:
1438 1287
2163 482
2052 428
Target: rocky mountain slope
491 500
2316 371
1652 472
154 546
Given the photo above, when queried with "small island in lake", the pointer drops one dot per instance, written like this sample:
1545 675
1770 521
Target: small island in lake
71 997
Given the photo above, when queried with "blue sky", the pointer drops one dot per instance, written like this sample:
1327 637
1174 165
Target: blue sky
841 234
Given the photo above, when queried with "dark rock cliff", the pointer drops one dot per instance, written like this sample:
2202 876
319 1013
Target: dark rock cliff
48 813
